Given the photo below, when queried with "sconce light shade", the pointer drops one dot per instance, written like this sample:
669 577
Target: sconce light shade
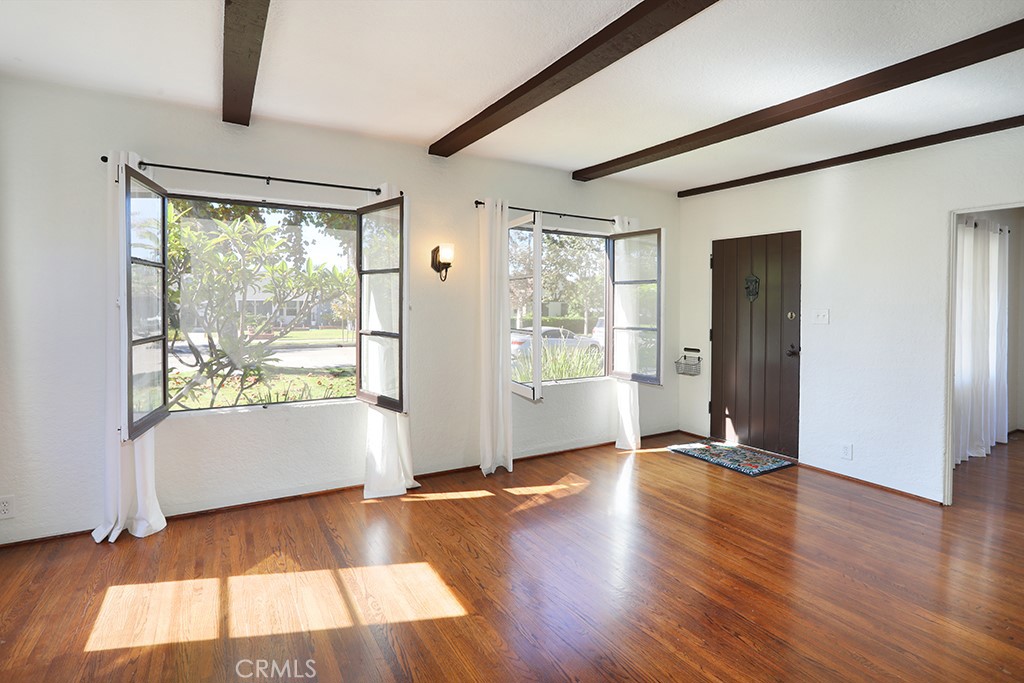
441 259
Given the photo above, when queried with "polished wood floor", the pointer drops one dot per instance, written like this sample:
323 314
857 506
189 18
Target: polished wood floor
591 565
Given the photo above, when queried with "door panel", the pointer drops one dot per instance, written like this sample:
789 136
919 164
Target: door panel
755 384
789 403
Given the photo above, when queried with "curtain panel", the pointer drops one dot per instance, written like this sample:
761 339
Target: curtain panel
980 395
495 335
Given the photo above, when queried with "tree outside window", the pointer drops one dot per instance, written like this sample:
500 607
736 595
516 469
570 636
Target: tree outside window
261 304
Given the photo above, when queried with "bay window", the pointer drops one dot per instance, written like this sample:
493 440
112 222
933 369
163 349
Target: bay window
234 303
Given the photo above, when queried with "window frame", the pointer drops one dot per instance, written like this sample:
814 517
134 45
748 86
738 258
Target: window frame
535 392
610 325
132 429
393 403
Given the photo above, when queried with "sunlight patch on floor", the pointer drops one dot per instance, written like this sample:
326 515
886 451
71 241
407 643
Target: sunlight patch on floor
393 593
296 602
448 495
141 615
568 485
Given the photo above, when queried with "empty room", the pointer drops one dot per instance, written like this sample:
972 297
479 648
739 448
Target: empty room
511 340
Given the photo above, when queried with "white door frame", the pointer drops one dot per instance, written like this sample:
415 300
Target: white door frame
947 473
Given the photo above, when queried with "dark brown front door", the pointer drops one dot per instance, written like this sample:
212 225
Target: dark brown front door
755 341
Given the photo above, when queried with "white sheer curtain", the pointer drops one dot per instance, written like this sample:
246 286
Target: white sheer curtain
980 397
130 500
627 392
495 356
388 454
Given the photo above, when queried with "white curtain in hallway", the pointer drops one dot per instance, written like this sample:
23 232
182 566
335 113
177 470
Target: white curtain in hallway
980 396
495 331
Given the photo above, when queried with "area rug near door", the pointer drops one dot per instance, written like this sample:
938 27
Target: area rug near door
753 463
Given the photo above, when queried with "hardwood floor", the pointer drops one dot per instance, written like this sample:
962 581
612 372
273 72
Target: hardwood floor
591 565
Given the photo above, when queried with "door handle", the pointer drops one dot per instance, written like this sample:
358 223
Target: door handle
792 351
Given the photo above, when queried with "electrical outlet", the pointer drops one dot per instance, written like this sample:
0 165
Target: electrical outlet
847 453
7 509
821 316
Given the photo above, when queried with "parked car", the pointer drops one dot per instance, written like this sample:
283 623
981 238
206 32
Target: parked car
552 337
597 334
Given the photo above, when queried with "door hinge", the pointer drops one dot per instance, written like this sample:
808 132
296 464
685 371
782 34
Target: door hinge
709 407
711 262
711 335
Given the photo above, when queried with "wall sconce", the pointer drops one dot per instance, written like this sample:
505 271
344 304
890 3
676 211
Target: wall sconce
441 259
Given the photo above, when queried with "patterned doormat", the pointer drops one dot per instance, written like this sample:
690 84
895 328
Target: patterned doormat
736 458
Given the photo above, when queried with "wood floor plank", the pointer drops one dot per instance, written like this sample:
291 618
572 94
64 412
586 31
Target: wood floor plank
589 565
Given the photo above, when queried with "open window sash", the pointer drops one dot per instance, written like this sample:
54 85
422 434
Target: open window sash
380 255
525 247
634 330
144 304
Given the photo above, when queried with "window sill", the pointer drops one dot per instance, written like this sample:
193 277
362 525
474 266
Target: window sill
270 406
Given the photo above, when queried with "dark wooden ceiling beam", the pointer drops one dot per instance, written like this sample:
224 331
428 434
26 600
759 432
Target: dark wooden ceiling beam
637 27
995 43
244 24
874 153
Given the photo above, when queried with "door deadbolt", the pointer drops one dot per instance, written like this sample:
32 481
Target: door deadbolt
791 315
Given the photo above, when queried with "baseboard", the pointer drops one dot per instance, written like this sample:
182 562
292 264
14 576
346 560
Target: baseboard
266 501
872 484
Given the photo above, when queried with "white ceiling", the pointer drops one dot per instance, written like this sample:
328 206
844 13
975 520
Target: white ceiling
412 70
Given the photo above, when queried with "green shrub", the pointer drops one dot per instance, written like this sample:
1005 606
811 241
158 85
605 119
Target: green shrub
559 362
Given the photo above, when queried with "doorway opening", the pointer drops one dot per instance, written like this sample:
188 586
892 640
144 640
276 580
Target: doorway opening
985 372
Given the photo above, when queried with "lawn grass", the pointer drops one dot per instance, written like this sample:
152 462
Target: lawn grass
278 387
318 336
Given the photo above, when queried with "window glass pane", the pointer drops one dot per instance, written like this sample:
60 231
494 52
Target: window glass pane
520 252
379 370
520 294
573 282
521 307
382 238
146 211
636 352
261 304
147 379
522 359
636 258
380 302
147 301
636 305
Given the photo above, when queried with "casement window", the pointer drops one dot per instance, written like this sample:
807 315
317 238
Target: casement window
635 328
565 280
235 303
144 284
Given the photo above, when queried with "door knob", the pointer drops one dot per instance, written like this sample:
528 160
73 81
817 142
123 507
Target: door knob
792 350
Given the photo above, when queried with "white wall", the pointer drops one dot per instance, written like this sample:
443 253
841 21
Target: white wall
53 260
875 252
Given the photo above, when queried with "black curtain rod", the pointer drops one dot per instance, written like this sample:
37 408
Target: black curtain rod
554 213
267 178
